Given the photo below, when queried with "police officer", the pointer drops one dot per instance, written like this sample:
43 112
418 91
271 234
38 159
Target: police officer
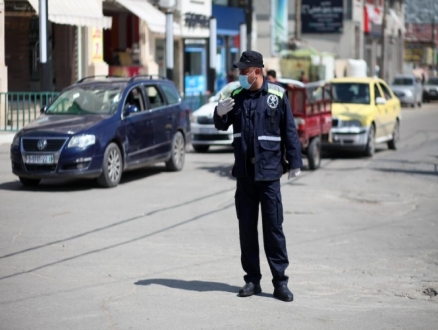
264 135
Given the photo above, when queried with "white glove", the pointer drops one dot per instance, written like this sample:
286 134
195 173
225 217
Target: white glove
293 173
225 105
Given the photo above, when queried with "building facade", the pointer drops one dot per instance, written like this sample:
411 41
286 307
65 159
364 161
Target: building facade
348 29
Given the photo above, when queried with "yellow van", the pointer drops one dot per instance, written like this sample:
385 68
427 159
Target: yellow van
365 112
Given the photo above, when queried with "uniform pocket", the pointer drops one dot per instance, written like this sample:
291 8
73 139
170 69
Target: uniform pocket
270 154
271 120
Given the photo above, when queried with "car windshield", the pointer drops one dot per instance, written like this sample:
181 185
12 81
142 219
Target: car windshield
87 100
403 82
432 81
356 93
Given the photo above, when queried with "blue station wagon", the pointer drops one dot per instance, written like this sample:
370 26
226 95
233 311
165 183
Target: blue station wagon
98 128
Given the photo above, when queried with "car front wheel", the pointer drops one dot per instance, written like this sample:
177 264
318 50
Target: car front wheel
111 167
176 161
392 144
314 153
369 149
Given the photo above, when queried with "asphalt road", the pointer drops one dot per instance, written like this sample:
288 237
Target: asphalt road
161 250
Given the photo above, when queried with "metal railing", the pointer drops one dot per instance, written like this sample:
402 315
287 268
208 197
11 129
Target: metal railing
17 109
195 101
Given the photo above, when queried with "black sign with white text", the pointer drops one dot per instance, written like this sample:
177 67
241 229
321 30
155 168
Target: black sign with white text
322 16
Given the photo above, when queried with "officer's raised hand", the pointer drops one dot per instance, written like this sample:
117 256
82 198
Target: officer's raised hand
225 105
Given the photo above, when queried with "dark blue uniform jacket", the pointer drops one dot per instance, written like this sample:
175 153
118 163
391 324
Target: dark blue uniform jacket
263 127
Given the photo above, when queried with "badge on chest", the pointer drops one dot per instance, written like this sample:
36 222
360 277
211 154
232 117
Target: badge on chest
272 101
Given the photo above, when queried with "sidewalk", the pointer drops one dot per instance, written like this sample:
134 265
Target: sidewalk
6 137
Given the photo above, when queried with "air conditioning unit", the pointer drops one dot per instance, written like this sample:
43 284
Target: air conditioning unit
167 3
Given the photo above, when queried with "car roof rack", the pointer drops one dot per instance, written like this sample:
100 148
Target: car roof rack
99 76
147 76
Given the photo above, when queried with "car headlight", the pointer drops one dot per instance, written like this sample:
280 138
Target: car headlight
82 141
16 140
351 123
408 93
193 119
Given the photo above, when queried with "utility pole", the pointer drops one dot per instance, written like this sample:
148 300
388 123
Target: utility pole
298 19
45 47
383 48
169 45
248 21
433 42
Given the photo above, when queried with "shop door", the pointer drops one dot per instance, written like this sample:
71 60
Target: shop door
195 71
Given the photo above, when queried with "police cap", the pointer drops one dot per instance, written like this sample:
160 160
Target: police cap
250 59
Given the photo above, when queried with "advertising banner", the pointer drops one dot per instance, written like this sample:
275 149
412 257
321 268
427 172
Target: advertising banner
322 16
279 26
97 45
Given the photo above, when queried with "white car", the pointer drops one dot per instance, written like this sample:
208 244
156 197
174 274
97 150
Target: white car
204 134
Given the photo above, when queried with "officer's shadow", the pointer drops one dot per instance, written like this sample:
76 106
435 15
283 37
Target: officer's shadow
199 286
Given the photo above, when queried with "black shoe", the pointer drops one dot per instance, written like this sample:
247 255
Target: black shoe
283 293
249 289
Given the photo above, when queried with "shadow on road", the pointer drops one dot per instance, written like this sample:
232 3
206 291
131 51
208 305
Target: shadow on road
69 185
223 171
199 286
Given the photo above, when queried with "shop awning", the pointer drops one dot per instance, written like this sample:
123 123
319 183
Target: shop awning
75 12
155 19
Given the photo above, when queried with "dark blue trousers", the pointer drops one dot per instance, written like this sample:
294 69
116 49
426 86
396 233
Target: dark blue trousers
249 195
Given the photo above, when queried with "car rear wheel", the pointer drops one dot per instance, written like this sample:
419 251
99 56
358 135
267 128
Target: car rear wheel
111 167
370 148
200 148
314 153
176 161
392 144
29 182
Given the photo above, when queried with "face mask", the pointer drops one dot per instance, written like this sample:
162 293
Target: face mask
243 79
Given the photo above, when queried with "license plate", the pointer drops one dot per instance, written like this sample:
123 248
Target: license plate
207 130
40 159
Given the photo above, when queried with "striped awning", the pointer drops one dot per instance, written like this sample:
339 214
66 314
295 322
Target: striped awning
75 12
155 19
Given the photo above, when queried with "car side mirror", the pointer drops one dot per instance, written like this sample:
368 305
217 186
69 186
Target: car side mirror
43 109
380 100
130 109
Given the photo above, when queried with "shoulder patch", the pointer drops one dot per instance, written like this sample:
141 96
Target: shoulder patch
276 90
236 91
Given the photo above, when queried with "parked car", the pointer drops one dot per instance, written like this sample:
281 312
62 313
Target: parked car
408 89
204 134
365 112
430 90
99 128
203 130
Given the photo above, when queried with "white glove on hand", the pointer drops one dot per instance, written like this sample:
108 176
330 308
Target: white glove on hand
225 105
293 173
